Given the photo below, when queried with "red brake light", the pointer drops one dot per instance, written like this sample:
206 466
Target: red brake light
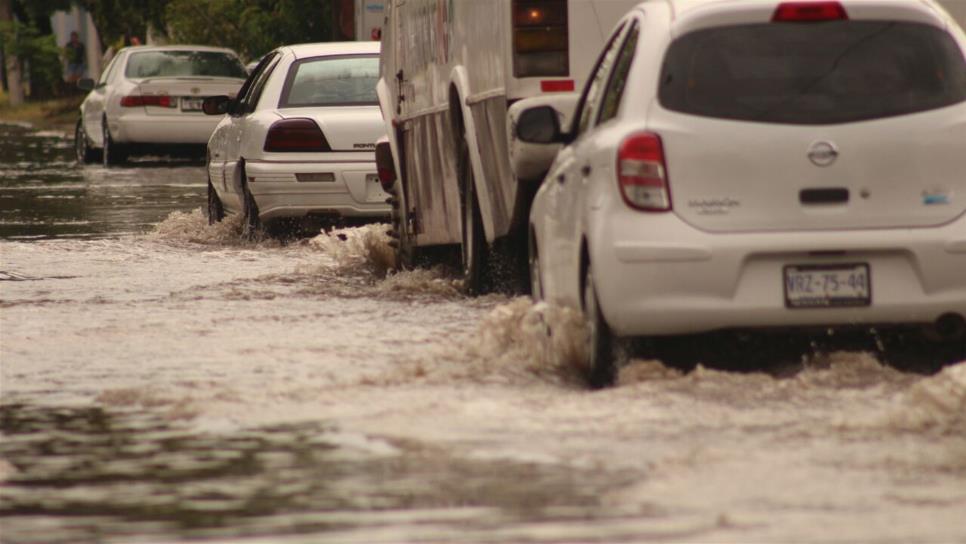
295 135
557 86
159 100
642 173
807 12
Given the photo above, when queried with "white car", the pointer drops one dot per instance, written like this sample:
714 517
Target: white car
761 166
149 98
300 139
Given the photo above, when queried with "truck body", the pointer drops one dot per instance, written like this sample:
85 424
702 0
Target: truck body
449 71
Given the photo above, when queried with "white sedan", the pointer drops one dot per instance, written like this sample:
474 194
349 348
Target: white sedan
149 99
299 141
762 166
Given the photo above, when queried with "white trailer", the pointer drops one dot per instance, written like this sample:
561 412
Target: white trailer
450 70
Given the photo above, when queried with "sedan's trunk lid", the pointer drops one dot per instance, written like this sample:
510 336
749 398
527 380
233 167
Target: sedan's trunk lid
185 94
346 128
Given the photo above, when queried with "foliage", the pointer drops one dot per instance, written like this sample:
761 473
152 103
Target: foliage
117 21
250 27
38 53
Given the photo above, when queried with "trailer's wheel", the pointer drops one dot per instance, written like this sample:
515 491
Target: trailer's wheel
474 255
405 245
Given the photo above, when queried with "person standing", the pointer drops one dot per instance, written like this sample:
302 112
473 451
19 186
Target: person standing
75 54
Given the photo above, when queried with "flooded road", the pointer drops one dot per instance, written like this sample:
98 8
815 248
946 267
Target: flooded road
163 380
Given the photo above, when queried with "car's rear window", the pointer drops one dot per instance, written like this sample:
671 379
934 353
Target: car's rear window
331 81
813 73
184 63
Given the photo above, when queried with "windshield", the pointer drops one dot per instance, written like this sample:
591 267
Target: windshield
813 73
332 81
184 63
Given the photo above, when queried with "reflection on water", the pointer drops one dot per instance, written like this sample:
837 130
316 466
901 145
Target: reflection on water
84 474
44 193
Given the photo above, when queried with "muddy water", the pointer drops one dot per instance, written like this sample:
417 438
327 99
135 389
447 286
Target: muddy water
163 380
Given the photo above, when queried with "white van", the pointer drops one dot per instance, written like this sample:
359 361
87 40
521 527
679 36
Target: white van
450 69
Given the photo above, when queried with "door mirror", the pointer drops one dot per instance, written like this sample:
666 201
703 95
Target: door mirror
215 105
85 84
539 125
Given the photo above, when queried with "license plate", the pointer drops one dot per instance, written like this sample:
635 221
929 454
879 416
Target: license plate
191 104
827 286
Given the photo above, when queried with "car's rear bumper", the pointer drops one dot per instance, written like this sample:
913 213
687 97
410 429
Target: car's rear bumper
140 128
671 278
353 192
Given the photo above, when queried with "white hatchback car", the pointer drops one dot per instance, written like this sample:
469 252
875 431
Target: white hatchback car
300 139
149 98
765 166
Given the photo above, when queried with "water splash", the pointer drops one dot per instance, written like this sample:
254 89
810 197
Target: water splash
193 228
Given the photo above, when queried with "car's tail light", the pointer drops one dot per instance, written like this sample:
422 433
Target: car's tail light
139 100
642 173
809 12
294 135
541 42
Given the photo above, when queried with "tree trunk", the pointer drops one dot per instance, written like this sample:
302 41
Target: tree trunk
14 75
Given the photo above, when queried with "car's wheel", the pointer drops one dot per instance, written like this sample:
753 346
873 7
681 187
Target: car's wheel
216 211
82 146
112 152
604 350
913 351
251 224
536 279
473 249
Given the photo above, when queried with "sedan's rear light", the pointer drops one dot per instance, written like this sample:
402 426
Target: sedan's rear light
642 173
809 12
541 41
295 135
159 100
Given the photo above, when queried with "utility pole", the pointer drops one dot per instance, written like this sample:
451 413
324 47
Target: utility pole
14 77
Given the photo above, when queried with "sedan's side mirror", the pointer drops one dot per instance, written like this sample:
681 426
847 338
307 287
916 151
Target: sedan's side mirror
215 105
539 125
85 84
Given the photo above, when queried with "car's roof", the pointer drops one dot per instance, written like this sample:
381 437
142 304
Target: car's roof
304 50
681 6
139 48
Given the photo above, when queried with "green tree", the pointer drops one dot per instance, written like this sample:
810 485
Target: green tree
117 21
250 27
26 38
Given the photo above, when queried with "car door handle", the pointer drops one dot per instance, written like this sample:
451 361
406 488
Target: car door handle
586 170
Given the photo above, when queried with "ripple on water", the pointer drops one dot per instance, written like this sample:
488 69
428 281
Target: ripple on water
85 474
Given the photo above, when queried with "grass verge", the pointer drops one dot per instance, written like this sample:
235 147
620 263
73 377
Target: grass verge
57 113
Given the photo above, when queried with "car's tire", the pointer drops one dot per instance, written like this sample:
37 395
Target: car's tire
604 350
913 351
112 153
251 223
536 277
473 249
216 210
82 145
